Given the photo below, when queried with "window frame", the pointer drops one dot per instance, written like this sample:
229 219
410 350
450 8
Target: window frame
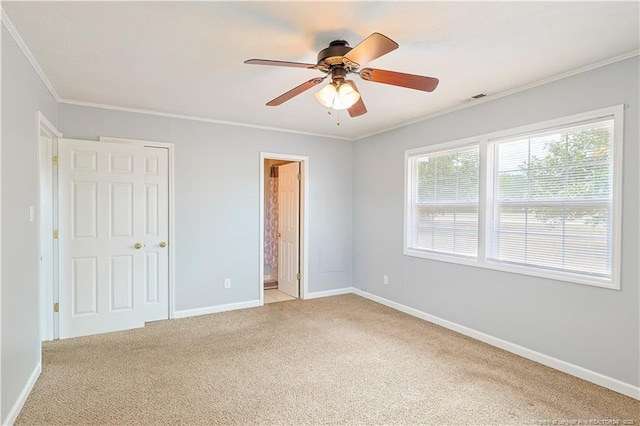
614 112
411 192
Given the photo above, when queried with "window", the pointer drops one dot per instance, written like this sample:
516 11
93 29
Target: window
444 202
541 200
552 199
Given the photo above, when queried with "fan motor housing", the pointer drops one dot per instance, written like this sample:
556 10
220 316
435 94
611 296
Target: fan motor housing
333 54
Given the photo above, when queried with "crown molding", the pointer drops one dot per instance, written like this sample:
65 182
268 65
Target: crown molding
25 50
499 95
201 119
18 39
27 53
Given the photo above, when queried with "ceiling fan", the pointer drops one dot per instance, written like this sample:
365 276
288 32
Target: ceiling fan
338 61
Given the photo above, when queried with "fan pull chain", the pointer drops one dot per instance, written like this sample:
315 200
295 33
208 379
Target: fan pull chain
330 113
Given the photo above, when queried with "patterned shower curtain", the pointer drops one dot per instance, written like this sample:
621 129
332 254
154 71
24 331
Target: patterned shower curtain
271 221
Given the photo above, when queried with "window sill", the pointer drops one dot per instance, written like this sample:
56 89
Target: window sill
521 270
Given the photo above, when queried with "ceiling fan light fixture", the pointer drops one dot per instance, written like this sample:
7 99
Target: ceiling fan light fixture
326 95
337 97
338 61
346 97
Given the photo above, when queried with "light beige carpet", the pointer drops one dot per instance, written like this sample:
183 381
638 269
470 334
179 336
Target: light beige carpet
337 360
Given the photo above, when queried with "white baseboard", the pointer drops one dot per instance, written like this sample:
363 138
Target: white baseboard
328 293
22 398
215 309
558 364
252 304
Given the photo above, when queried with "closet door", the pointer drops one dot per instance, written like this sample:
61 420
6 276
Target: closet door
156 233
101 201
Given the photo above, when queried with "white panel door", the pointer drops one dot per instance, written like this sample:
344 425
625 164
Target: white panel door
101 202
156 232
288 225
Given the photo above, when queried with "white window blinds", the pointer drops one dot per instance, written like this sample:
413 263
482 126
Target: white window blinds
443 202
551 199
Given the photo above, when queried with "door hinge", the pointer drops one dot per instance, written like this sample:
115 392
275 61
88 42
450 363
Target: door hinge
298 276
299 176
56 307
55 160
56 234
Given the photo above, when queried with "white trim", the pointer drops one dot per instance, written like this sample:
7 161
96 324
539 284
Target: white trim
253 304
45 80
613 283
47 296
172 215
194 118
443 147
385 130
261 232
216 309
567 120
329 293
56 242
1 381
18 39
499 95
515 269
304 223
22 398
616 238
139 142
410 193
43 120
555 363
482 200
27 53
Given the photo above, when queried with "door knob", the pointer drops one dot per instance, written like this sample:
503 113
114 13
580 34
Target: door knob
137 246
162 244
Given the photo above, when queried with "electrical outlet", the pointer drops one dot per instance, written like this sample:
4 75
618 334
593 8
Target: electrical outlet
385 279
227 283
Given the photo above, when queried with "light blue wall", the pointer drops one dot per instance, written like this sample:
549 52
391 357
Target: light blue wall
356 204
23 94
217 187
595 328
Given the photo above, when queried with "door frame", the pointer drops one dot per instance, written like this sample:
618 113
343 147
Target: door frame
171 237
304 219
47 290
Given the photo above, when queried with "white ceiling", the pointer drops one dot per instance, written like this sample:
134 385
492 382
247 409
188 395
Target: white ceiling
187 58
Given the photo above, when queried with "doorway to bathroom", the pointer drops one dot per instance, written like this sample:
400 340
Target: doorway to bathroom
282 225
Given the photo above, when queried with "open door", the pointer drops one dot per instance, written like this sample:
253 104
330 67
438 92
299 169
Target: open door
289 229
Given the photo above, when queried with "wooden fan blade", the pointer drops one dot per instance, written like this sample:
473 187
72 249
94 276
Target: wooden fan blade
411 81
369 49
295 91
279 63
358 108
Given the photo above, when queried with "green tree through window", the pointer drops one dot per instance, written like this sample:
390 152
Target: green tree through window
575 166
